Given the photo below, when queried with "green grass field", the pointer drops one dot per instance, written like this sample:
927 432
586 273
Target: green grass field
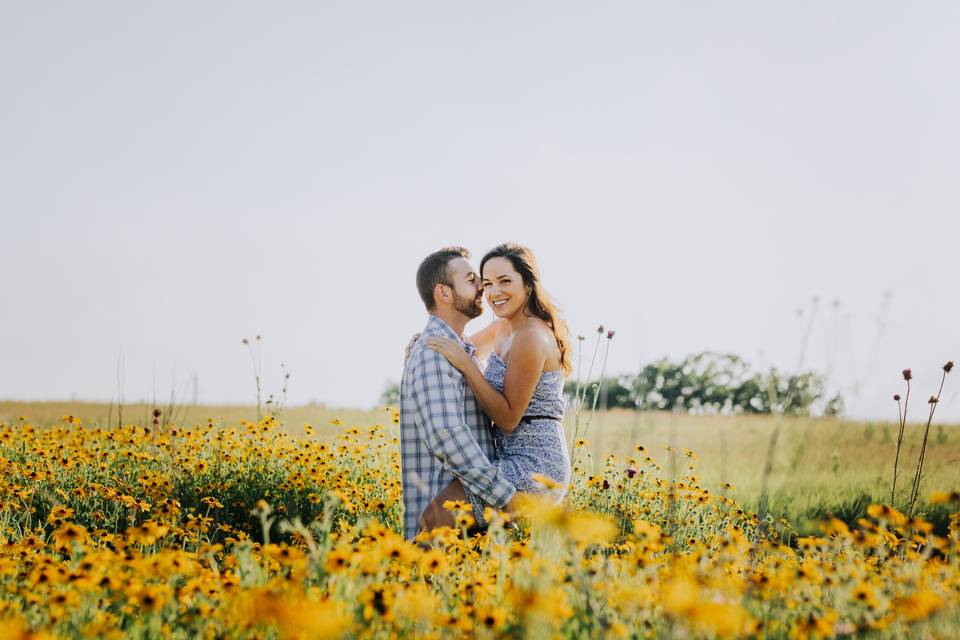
819 466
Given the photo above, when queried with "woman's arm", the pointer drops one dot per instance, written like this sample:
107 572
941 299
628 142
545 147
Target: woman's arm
528 353
486 338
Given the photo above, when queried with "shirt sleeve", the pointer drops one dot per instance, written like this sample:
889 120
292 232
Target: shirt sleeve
438 392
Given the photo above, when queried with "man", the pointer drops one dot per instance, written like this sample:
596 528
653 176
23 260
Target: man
444 433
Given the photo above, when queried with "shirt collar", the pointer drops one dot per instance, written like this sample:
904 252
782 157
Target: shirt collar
441 326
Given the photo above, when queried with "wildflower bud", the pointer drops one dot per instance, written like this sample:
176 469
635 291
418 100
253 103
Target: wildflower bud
606 484
156 413
610 335
245 341
581 338
600 329
933 400
631 472
948 367
896 397
907 374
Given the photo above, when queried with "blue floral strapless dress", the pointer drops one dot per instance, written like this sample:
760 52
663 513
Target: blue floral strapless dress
537 445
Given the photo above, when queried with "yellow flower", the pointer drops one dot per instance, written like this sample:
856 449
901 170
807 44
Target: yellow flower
433 563
681 594
417 603
456 505
465 520
316 620
68 534
493 618
587 528
338 560
298 617
15 628
864 593
541 606
835 527
921 525
887 514
377 601
153 597
721 619
546 482
919 605
284 554
945 497
814 626
646 531
809 570
148 533
59 513
212 502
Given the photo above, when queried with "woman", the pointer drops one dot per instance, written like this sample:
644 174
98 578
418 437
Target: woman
522 387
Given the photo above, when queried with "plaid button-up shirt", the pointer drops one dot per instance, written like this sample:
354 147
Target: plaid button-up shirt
443 432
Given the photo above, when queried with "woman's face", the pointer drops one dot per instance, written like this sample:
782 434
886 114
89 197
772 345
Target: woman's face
503 287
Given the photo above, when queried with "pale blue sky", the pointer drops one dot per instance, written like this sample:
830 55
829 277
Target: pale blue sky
181 175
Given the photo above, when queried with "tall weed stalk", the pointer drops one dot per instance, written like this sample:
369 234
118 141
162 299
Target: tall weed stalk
933 402
582 389
902 411
255 361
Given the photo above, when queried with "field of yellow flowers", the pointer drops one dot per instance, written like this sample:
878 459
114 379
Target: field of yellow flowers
246 531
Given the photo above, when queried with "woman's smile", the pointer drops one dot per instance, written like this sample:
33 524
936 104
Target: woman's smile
502 285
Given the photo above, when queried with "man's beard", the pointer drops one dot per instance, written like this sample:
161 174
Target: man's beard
470 307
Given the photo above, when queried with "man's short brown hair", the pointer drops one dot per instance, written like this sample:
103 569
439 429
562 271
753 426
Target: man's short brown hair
433 271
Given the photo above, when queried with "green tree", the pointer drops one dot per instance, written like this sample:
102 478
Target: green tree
715 383
390 396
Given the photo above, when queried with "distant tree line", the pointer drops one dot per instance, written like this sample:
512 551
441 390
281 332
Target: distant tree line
711 383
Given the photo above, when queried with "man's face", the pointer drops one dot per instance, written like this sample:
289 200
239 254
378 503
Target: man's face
467 291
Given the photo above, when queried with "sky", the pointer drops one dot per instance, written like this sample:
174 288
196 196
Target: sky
772 180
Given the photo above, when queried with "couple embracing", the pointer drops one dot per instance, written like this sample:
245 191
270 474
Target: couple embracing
479 434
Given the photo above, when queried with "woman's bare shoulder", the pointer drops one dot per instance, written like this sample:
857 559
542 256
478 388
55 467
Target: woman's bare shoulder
536 331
